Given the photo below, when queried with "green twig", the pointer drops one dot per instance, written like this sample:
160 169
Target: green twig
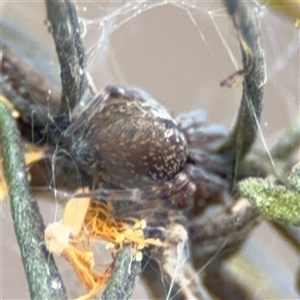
42 275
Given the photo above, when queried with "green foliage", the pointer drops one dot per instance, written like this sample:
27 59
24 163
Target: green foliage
276 202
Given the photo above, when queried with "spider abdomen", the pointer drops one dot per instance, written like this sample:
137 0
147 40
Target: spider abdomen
128 139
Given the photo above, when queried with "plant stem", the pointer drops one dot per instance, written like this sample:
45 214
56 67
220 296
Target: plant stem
42 274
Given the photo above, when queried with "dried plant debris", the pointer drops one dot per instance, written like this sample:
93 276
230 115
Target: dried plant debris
87 222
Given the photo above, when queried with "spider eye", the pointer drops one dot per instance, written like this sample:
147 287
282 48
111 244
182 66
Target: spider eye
131 140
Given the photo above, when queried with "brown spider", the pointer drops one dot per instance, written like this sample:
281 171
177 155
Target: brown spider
153 155
135 151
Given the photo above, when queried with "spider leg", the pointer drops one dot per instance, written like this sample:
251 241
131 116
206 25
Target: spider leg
209 187
191 119
196 134
209 137
212 163
179 189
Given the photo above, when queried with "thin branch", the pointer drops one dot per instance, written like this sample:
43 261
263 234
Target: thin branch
65 28
126 273
242 137
42 274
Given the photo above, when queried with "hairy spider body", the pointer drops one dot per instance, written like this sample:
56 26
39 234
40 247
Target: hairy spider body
128 139
131 144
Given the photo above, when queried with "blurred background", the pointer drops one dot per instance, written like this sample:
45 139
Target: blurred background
178 52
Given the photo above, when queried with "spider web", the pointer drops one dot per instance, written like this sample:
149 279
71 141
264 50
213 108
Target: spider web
178 52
